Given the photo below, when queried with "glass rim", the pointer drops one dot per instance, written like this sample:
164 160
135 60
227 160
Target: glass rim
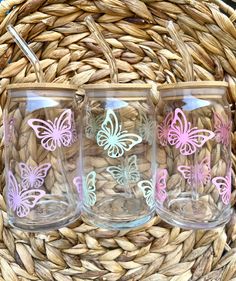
41 86
117 86
193 85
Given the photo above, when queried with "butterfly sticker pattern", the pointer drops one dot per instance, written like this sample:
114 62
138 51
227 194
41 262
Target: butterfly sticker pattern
33 177
223 184
8 128
185 137
148 192
90 189
163 129
161 194
21 200
53 134
200 172
113 139
92 124
125 173
74 134
222 129
146 128
78 182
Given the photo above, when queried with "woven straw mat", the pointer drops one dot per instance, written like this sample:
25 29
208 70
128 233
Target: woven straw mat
136 32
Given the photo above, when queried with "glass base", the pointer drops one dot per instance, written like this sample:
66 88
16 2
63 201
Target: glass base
187 213
48 214
118 212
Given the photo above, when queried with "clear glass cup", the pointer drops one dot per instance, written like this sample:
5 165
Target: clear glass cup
41 156
193 184
118 147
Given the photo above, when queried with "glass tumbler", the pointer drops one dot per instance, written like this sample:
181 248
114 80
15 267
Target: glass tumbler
194 155
118 155
42 156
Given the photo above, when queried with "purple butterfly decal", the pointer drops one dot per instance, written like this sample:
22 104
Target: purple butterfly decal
33 177
163 129
184 137
79 185
55 133
200 173
224 187
222 129
21 201
161 194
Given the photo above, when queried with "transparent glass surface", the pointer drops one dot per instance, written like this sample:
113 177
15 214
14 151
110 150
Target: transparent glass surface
194 157
118 157
42 158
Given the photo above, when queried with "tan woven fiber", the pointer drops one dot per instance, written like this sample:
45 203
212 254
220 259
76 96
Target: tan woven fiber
135 30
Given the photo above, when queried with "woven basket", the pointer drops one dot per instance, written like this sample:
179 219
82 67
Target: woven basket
135 30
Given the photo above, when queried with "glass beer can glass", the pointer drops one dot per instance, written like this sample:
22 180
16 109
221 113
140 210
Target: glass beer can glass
194 154
42 156
118 147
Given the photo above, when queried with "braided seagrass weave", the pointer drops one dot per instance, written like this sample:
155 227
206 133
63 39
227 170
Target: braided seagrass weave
135 30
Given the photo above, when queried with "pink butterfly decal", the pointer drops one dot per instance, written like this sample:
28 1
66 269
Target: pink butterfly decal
73 130
222 129
55 133
161 194
200 173
224 187
33 177
184 137
79 185
8 128
163 129
21 201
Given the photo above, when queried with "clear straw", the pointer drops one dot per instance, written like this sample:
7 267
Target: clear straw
28 53
105 48
187 59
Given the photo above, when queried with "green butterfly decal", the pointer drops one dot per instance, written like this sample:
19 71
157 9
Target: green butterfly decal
90 189
92 124
148 192
146 128
113 139
126 173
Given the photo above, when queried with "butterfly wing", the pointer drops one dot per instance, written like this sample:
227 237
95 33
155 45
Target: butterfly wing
92 125
224 187
146 128
28 199
133 172
90 191
44 131
186 172
178 129
113 139
13 191
161 185
222 129
64 128
40 173
117 174
196 139
25 172
110 128
78 183
163 129
125 141
204 173
148 192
